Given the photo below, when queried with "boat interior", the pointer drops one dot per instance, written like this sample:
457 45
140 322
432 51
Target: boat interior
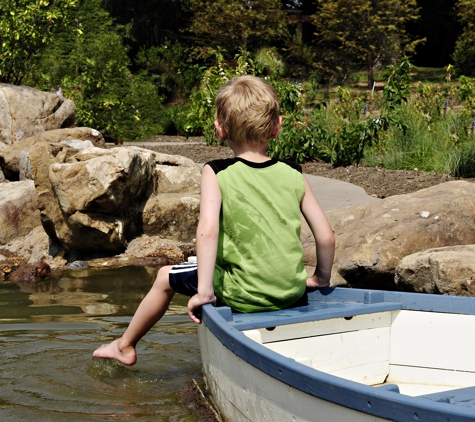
380 343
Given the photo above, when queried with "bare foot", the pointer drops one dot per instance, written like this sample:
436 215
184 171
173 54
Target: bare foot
127 356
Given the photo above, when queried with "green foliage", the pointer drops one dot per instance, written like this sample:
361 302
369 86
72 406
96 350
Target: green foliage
269 63
26 29
169 67
429 102
197 117
92 69
397 86
235 25
339 134
344 143
296 140
464 53
462 163
466 89
362 31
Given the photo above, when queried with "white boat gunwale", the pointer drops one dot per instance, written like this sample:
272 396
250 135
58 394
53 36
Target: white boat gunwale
330 303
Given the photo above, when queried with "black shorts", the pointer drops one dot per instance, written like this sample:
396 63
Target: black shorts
183 278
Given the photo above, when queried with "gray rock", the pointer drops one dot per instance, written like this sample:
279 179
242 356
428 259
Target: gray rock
448 270
77 265
372 238
26 172
102 181
143 250
78 143
18 210
97 199
11 156
26 111
176 174
171 216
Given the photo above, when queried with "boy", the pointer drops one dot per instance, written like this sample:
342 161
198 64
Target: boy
248 237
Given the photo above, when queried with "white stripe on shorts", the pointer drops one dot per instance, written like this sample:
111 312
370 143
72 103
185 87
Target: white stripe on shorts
183 268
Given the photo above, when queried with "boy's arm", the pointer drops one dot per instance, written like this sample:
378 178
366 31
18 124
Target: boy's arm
206 241
324 238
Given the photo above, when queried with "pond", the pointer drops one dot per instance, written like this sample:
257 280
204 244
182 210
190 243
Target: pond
49 330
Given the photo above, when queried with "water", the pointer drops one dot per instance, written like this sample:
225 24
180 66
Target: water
49 330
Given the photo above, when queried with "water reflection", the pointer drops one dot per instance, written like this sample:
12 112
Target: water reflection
48 331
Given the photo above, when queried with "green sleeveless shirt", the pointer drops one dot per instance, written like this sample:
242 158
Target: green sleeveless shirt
259 262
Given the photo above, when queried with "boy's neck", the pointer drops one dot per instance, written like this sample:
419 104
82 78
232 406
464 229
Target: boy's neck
256 153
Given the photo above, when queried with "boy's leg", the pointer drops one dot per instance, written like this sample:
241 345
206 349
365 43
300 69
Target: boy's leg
150 310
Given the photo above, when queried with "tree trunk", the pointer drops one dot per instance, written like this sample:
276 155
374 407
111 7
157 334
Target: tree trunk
370 74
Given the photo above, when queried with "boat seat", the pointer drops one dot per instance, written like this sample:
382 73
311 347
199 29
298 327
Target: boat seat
460 396
313 312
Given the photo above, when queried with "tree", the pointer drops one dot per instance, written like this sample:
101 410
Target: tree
235 25
93 69
370 32
464 54
26 29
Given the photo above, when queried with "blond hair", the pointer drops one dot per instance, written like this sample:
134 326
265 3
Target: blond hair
247 109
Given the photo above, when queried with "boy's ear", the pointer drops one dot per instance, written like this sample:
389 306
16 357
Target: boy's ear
276 131
221 133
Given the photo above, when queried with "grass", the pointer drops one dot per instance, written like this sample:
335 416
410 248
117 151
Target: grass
428 74
423 133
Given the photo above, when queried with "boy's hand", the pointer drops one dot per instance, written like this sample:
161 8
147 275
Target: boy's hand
194 306
315 283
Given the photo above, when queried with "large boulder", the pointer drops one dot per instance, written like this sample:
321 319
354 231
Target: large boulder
448 270
372 238
15 162
18 210
96 199
100 181
26 111
172 211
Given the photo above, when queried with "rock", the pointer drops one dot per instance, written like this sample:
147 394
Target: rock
77 265
168 251
172 216
14 160
24 166
98 199
372 238
145 250
26 111
18 210
102 181
42 155
96 232
176 174
91 188
31 272
449 270
10 265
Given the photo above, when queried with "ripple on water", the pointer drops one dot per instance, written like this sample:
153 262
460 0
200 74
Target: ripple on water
48 373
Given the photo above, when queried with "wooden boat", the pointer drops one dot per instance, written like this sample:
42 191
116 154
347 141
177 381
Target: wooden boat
349 355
